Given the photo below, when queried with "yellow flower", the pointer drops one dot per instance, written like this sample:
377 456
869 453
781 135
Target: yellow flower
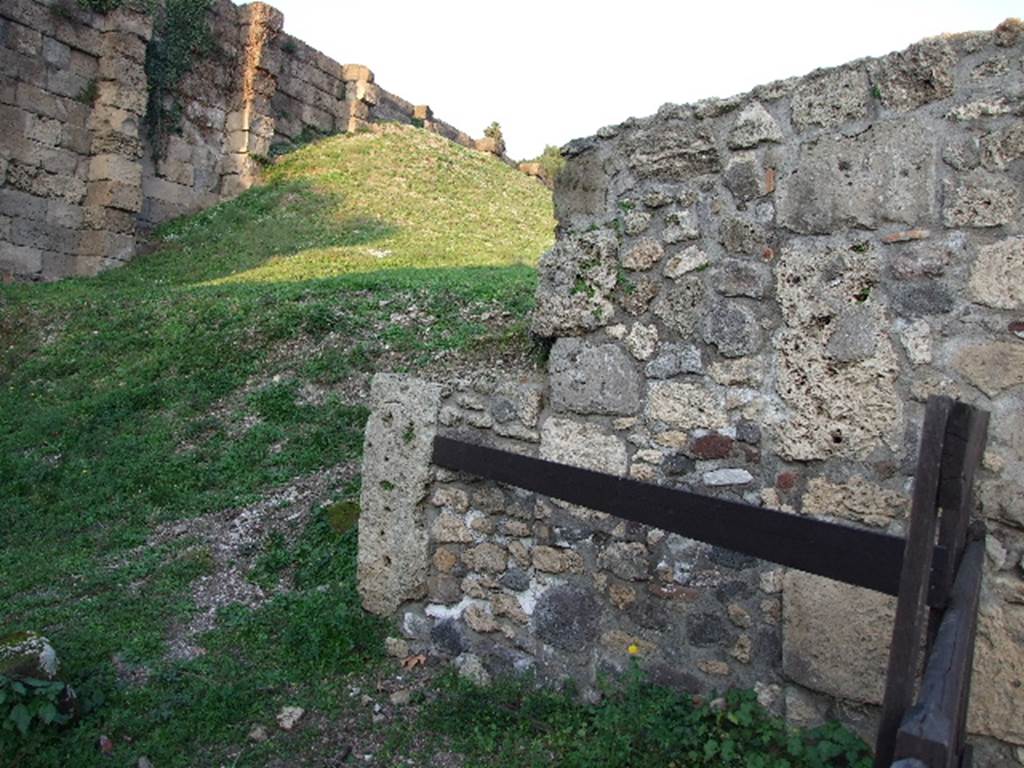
633 649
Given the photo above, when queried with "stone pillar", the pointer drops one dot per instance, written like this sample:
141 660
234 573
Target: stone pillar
360 97
250 125
393 540
114 191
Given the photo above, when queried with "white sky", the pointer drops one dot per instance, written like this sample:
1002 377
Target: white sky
551 71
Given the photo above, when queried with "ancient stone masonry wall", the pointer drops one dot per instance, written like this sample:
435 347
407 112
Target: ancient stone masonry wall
79 174
752 298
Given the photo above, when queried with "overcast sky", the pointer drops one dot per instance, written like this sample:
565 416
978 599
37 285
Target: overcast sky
550 71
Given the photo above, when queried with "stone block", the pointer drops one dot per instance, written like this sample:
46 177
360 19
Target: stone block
672 151
997 276
120 95
64 214
885 174
753 126
356 72
394 552
732 328
114 194
991 366
22 205
20 259
105 247
997 688
921 74
66 84
581 189
981 200
588 378
582 445
168 192
685 406
830 98
857 623
118 168
56 53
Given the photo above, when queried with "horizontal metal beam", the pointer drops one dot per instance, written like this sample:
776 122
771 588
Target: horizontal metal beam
864 558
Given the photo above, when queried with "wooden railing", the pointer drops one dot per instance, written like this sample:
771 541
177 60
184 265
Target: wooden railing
935 571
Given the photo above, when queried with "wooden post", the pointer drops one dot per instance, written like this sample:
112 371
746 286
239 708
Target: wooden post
915 576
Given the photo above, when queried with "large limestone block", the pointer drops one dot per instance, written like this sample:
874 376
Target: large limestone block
997 688
835 638
997 278
581 188
576 278
582 445
991 366
588 378
831 98
685 406
885 174
393 539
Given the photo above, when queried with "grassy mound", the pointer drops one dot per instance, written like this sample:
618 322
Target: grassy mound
226 363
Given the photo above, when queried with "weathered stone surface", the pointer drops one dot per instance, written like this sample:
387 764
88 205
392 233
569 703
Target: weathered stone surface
831 98
991 366
593 379
856 499
556 560
576 278
672 151
642 341
705 630
732 328
721 477
858 626
680 226
742 237
981 201
997 276
567 617
885 174
745 177
582 445
629 560
921 74
643 255
581 188
997 688
920 298
679 306
685 406
688 260
854 335
393 542
752 127
738 277
674 359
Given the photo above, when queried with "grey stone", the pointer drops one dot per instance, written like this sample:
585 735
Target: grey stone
672 151
581 188
742 237
829 99
575 279
727 558
744 177
748 432
567 617
885 174
471 668
962 153
629 560
680 226
732 328
981 201
393 541
721 477
753 126
679 306
678 464
853 336
515 579
736 277
921 74
705 630
919 298
674 359
643 255
447 637
593 379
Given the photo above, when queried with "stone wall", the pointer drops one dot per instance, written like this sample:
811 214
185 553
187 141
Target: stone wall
80 177
752 298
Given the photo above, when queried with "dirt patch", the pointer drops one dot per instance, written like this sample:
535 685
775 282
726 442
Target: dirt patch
234 539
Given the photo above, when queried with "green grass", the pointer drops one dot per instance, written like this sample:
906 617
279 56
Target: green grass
172 388
636 724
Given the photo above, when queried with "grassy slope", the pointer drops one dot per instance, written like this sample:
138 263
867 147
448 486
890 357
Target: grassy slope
129 400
